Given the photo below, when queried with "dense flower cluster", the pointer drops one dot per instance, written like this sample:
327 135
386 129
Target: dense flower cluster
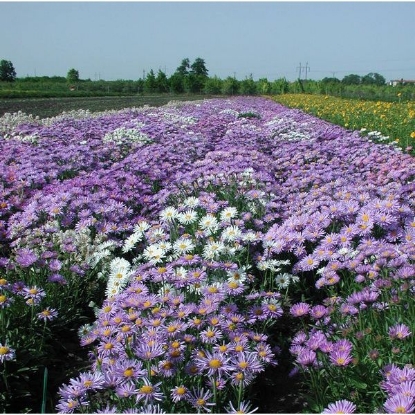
201 217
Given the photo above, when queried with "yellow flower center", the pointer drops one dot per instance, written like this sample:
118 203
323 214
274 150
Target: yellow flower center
215 363
4 350
129 372
147 389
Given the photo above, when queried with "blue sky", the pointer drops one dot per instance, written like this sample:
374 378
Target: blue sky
120 40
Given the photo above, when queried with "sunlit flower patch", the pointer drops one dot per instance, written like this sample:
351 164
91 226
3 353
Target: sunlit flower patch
206 242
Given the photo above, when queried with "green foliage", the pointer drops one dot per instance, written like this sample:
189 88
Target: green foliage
7 71
213 86
162 83
150 83
72 76
351 79
373 79
184 67
248 86
198 68
230 86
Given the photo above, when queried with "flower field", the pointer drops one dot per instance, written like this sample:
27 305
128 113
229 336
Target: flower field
385 121
165 260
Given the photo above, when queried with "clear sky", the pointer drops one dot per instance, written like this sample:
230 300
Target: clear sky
120 40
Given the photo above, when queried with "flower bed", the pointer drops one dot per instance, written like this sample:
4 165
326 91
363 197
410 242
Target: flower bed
204 245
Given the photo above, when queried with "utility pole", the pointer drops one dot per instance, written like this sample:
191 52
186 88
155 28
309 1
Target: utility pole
299 72
144 74
306 67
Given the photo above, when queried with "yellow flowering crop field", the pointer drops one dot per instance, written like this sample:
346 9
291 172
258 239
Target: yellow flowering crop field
394 120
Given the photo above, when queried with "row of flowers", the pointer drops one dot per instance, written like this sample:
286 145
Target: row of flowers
210 225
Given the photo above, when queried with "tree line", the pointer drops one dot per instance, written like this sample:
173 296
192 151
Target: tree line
190 78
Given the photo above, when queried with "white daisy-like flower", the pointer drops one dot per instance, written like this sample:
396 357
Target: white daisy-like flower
212 249
249 237
131 241
237 275
191 202
228 213
181 273
188 217
183 246
141 227
168 214
283 280
209 223
153 254
120 271
231 233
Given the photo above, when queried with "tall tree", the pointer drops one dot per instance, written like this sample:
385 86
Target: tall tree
72 76
184 67
198 67
150 84
162 82
7 72
351 79
373 79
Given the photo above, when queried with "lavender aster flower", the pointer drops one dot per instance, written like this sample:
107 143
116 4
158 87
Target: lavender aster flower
6 353
342 406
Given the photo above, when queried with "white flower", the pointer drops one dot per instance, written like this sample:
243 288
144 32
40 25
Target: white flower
168 214
212 249
183 246
141 227
209 223
120 271
283 280
238 275
231 233
130 242
153 254
228 213
181 273
249 237
191 202
188 217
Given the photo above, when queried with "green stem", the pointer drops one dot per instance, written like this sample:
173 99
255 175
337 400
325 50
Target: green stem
45 388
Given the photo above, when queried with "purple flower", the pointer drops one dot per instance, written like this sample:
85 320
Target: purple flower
340 357
149 392
25 257
179 393
199 399
300 309
47 314
243 408
399 331
399 404
340 407
6 353
213 364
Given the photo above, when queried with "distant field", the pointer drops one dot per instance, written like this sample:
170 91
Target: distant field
50 107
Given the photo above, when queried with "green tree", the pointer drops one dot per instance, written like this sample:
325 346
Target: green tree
248 86
150 84
176 82
373 79
351 79
280 86
230 86
264 86
198 68
162 83
184 67
72 76
7 72
213 86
